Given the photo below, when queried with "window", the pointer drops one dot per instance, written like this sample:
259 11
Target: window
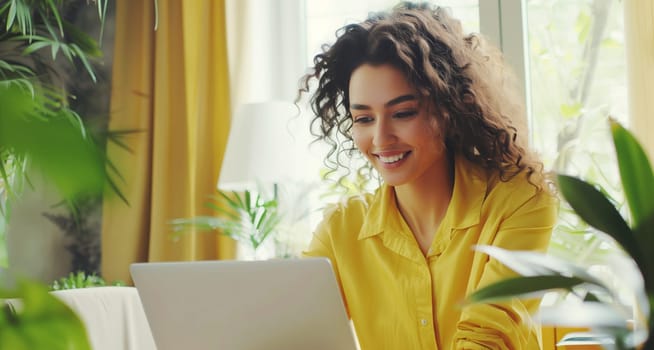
577 79
325 17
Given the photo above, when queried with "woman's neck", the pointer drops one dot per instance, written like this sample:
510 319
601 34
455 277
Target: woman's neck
423 202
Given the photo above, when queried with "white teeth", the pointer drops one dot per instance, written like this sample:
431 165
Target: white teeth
392 159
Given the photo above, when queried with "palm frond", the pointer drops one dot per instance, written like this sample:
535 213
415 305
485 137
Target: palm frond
20 14
244 216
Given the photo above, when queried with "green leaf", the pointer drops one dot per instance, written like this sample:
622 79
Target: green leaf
529 263
86 44
102 13
522 286
67 52
84 60
34 128
248 202
596 210
4 8
645 237
229 213
54 49
5 177
234 200
31 38
42 322
116 137
115 189
635 173
35 46
55 12
12 15
77 280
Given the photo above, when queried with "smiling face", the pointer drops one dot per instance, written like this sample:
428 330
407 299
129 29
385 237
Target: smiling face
395 132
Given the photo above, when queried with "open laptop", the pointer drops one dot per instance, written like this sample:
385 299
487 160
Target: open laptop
283 304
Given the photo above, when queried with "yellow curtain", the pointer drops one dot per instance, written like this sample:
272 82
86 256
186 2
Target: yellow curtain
171 84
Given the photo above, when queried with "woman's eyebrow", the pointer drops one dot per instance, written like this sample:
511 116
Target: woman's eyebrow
400 99
397 100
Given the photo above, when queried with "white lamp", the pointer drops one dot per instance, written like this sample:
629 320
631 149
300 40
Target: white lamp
268 143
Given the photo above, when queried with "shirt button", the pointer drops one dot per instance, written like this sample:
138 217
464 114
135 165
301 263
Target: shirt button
424 322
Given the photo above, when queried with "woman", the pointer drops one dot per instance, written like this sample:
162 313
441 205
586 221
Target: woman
435 114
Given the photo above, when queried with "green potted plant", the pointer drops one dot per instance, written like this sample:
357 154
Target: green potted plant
244 216
81 279
39 129
598 308
40 132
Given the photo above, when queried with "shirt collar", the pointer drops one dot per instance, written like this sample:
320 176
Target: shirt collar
470 186
382 213
470 189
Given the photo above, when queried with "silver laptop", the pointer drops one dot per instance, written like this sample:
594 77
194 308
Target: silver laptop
283 304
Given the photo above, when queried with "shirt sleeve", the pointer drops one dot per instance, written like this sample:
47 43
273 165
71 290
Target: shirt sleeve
508 325
321 245
321 242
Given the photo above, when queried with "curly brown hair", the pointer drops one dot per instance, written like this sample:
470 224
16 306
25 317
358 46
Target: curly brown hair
479 109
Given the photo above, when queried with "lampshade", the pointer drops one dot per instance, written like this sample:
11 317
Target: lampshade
268 143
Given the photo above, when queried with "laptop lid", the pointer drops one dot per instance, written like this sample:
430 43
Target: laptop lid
282 304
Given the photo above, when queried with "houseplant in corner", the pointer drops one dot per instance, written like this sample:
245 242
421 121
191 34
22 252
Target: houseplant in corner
598 307
41 132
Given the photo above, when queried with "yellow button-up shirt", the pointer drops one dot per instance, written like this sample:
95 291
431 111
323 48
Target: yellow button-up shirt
400 299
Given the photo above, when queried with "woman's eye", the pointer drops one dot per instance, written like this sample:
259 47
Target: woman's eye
405 114
362 119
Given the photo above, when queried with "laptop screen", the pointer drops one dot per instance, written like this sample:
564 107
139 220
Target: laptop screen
280 304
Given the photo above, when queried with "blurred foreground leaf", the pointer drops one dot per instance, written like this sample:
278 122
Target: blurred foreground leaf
531 286
40 322
635 173
34 127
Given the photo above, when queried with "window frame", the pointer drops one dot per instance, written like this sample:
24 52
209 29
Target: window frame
504 22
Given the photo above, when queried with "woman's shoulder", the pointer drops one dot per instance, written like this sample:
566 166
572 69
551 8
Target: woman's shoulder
520 189
352 206
347 215
519 186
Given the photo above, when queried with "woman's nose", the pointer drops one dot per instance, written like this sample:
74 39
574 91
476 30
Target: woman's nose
383 133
